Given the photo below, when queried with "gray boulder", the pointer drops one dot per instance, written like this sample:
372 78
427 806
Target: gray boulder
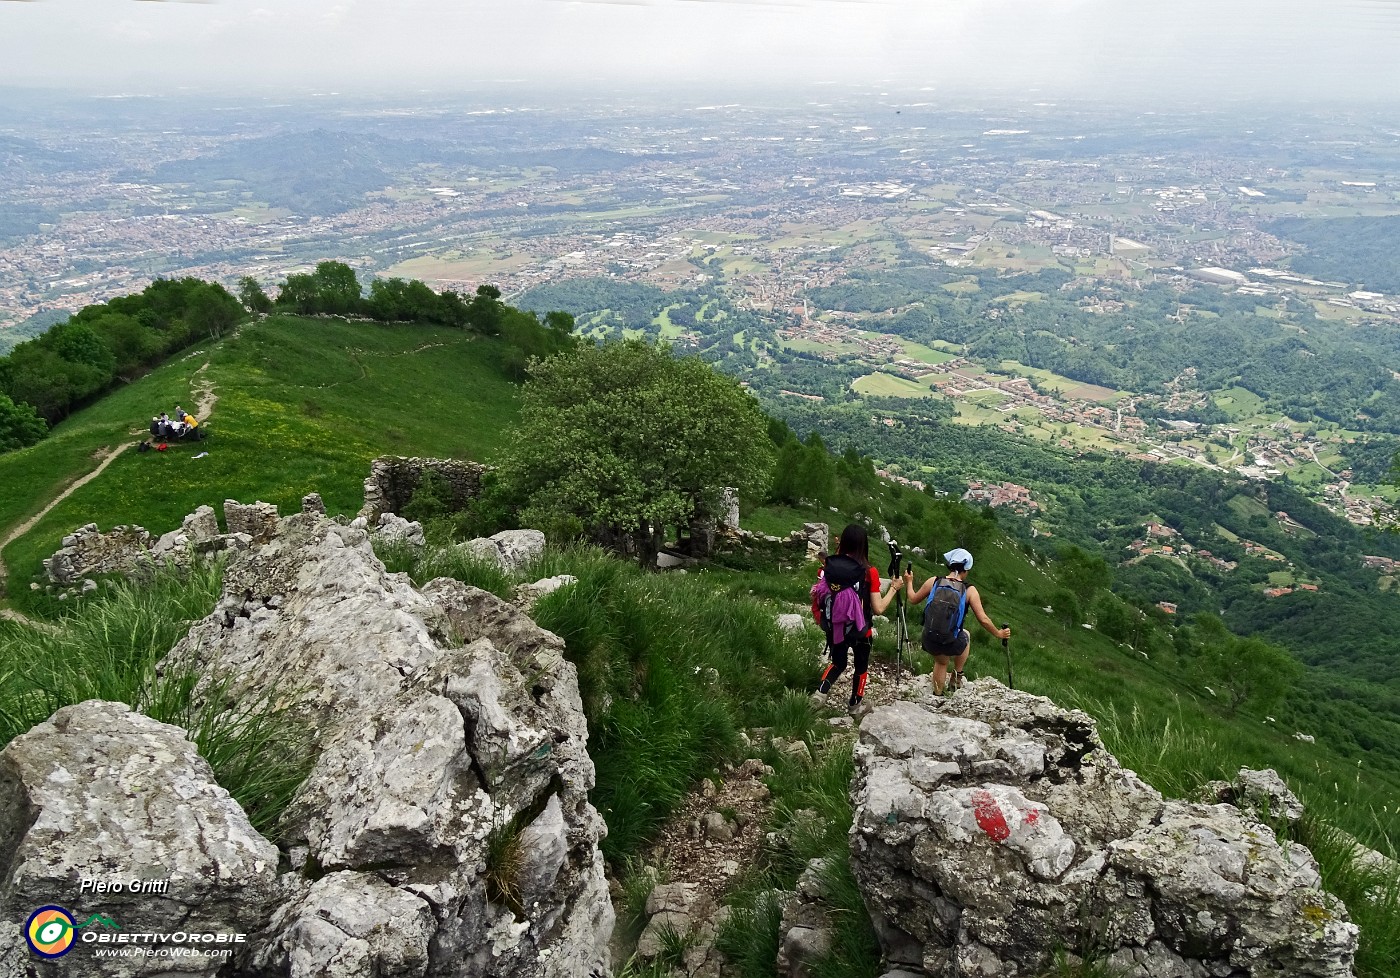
526 595
392 527
793 623
512 550
99 797
994 827
435 719
1263 793
347 925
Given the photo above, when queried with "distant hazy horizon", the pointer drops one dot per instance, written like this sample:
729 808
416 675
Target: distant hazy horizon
1137 50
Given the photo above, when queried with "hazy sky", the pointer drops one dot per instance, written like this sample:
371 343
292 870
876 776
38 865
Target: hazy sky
1159 47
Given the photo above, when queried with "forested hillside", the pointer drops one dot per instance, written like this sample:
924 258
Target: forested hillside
1359 250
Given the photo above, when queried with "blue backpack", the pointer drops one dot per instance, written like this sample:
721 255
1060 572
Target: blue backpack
943 614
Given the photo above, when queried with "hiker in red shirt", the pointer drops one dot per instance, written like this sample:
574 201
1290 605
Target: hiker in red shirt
846 598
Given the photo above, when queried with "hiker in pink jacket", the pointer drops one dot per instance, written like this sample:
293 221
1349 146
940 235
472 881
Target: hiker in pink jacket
846 598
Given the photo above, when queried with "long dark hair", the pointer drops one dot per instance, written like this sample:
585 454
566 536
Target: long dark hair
855 543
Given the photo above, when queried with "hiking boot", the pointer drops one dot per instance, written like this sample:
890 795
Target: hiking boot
857 709
958 680
818 698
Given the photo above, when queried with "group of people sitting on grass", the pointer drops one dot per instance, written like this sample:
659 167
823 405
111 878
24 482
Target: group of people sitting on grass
164 426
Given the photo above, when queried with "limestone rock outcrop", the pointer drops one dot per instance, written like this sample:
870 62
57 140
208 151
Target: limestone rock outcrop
392 528
993 828
440 721
511 550
99 798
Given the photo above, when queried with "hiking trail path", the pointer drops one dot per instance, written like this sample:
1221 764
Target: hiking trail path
203 389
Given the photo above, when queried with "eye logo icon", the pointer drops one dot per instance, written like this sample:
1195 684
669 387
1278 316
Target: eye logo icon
50 932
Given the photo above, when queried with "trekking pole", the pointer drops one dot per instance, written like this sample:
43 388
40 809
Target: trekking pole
1006 645
901 635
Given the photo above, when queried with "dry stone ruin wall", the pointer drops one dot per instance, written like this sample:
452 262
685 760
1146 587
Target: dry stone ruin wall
393 479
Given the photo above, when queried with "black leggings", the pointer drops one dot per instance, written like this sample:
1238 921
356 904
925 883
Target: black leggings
861 644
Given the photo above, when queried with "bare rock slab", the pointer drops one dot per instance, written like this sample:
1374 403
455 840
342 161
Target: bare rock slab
990 826
99 797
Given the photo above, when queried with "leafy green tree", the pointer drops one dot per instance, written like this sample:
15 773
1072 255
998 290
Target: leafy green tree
1067 609
78 343
787 473
337 288
1115 618
20 425
38 376
1083 573
132 344
1242 671
621 440
251 294
560 322
816 471
485 311
299 294
211 309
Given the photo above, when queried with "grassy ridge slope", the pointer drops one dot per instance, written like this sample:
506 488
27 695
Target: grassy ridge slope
303 404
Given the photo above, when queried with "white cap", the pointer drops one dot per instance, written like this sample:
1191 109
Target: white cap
958 556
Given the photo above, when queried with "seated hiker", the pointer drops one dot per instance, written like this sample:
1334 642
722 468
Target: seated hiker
846 599
190 422
948 600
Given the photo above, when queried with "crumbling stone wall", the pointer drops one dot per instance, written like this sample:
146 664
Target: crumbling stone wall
393 478
87 551
134 552
797 546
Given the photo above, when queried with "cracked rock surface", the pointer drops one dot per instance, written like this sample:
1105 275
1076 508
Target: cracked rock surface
993 827
439 720
99 794
444 828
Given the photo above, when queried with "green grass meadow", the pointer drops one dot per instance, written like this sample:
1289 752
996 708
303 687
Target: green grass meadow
303 405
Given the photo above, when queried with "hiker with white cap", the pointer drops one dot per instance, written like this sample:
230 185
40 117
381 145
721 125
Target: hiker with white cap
946 602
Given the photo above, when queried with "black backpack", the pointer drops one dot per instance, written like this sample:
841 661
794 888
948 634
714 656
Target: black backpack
841 572
943 614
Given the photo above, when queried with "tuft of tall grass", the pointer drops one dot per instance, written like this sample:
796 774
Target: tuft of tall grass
855 947
259 751
670 669
1167 752
812 816
398 556
749 938
452 561
637 880
1066 965
107 649
1370 890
